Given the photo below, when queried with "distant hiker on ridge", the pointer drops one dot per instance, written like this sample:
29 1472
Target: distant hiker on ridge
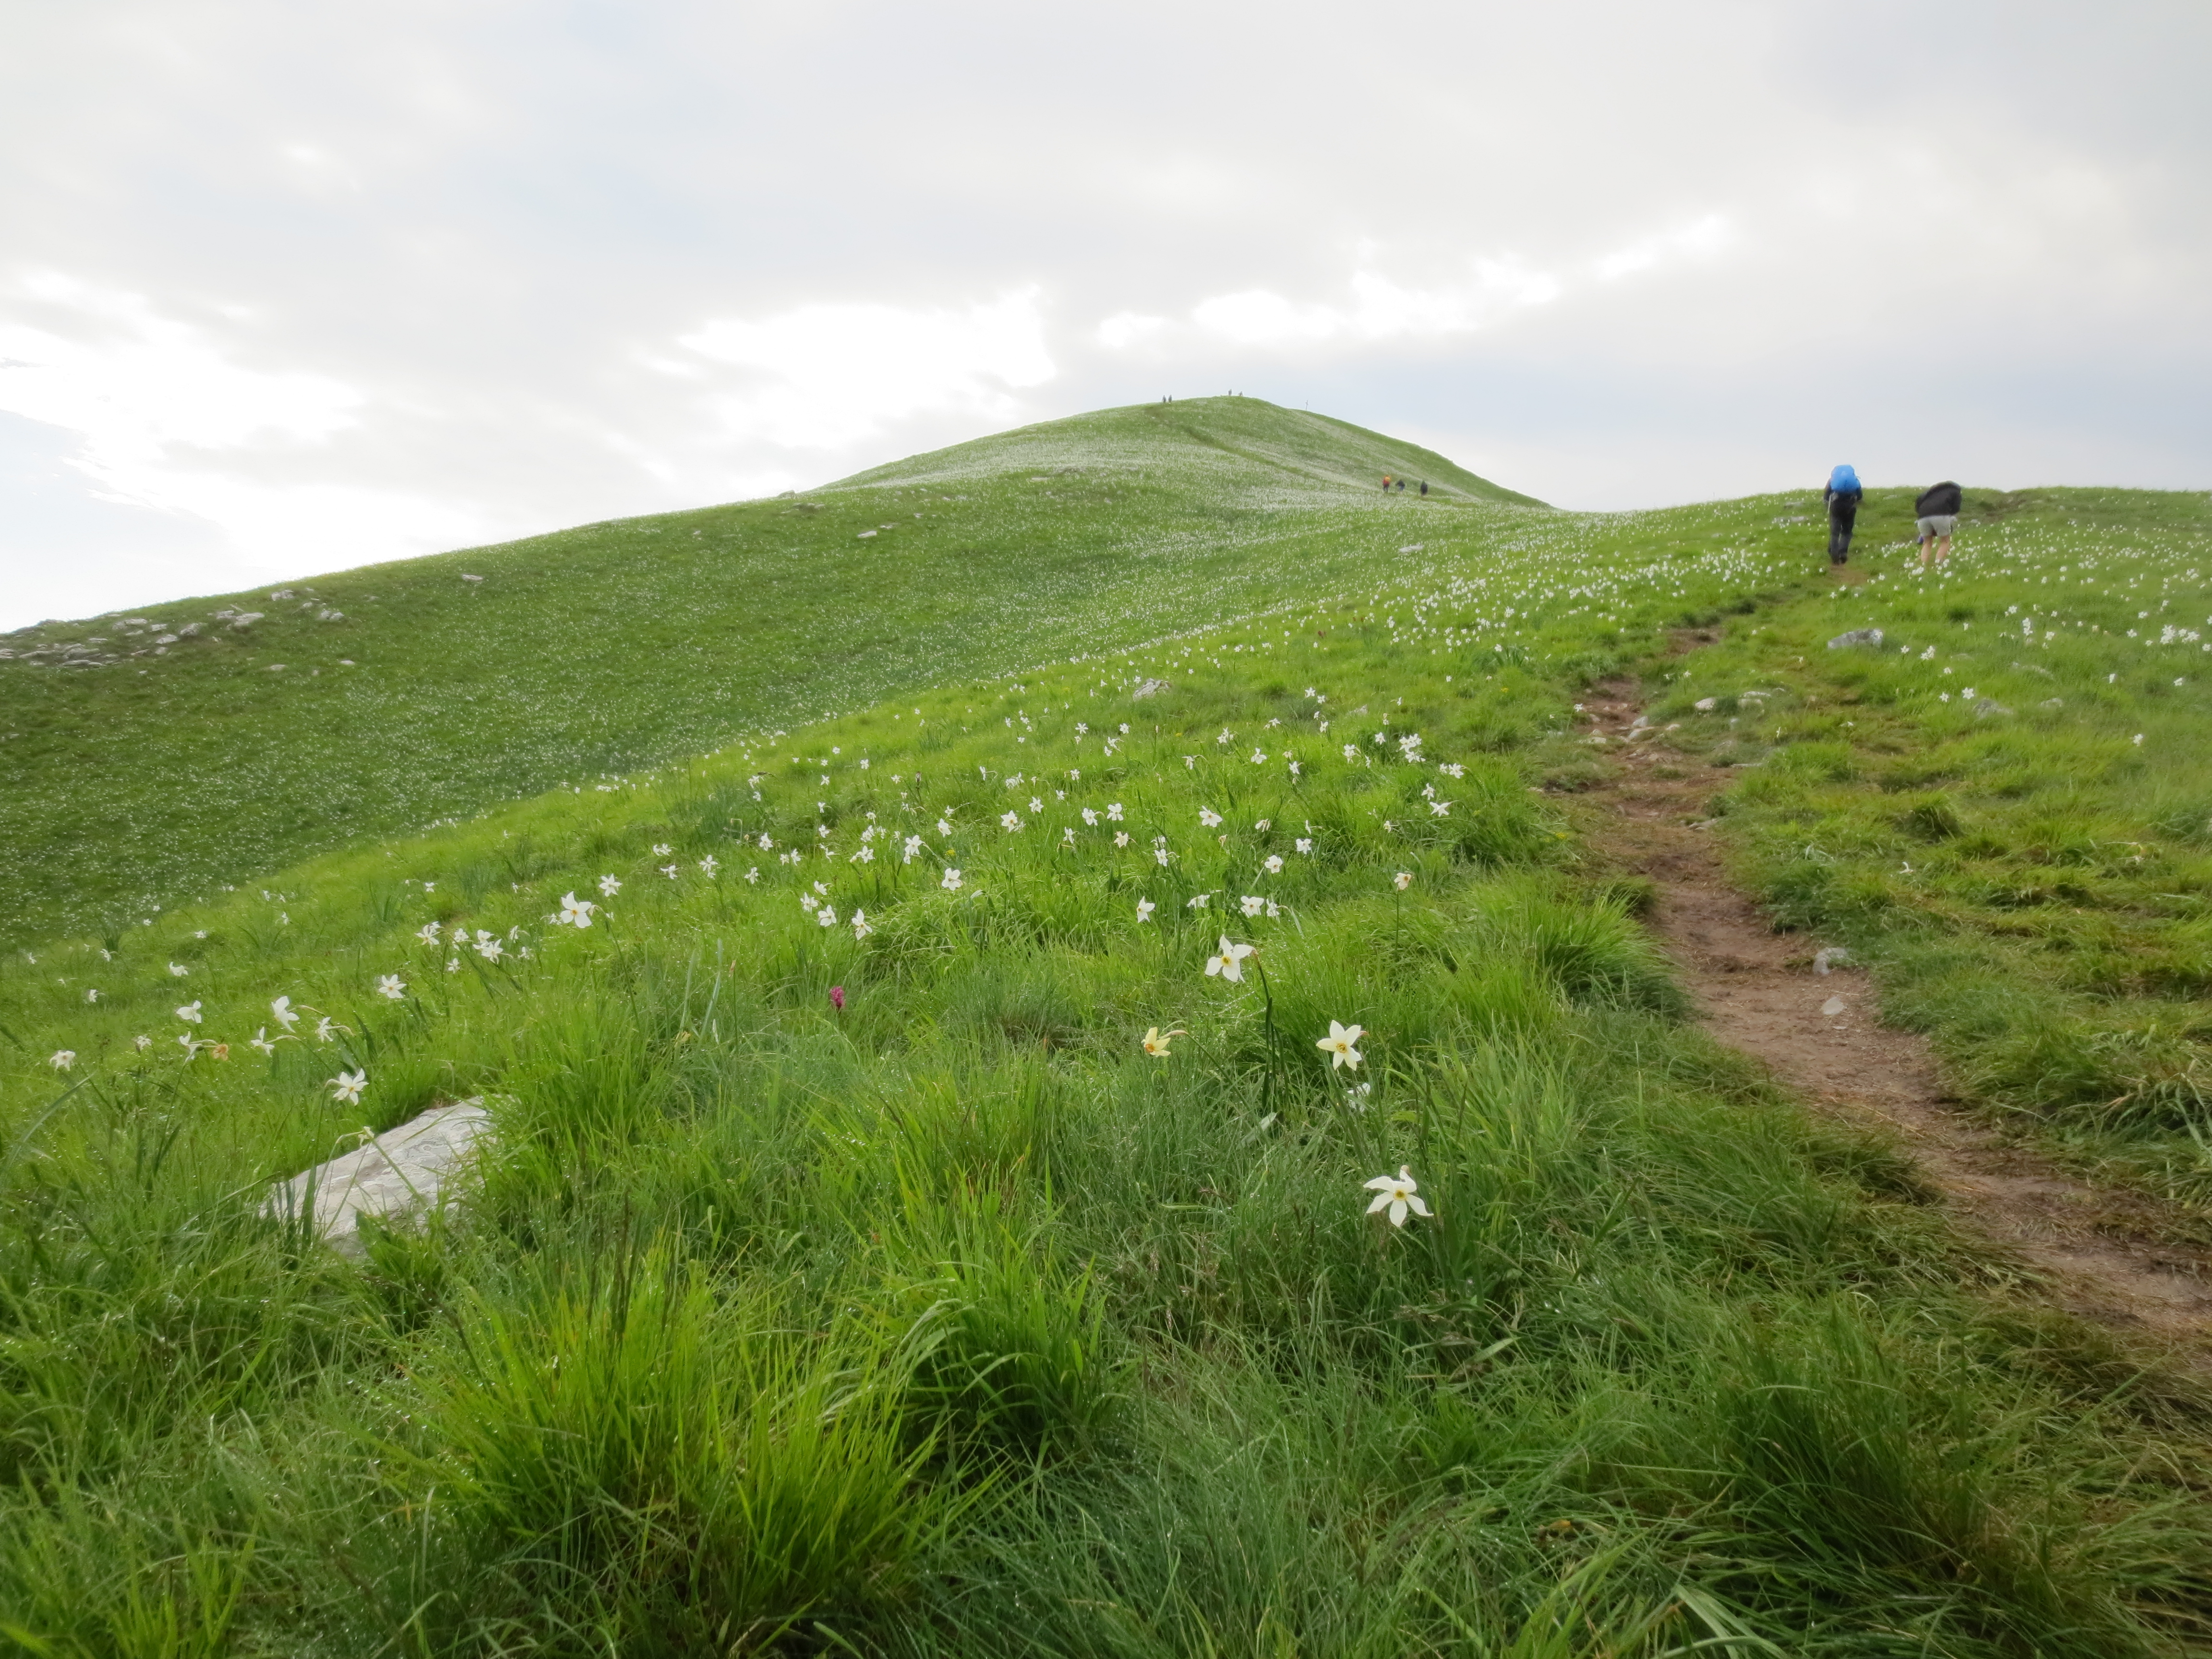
1937 510
1843 496
1386 484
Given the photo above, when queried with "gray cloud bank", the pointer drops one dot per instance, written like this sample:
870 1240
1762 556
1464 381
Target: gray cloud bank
288 289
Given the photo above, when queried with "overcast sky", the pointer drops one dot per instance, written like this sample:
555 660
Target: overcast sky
286 288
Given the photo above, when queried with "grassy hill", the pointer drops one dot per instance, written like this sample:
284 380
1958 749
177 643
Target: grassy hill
400 694
867 1285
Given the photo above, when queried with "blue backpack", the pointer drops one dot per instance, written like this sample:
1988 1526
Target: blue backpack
1843 481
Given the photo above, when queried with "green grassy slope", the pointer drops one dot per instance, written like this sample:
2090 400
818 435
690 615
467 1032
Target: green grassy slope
156 772
940 1318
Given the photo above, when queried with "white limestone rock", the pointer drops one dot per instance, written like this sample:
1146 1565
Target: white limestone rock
404 1171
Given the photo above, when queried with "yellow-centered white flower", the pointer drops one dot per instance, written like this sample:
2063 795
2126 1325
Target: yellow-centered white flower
1337 1045
1229 960
1397 1193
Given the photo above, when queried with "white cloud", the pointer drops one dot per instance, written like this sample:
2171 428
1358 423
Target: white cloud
1380 308
1126 328
166 420
825 376
1708 235
137 385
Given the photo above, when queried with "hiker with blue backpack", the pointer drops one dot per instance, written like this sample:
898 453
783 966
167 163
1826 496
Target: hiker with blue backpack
1843 496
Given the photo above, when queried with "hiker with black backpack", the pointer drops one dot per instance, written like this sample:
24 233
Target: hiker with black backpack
1842 496
1937 509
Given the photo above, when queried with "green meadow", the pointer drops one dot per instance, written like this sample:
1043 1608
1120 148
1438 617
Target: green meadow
135 772
1066 1084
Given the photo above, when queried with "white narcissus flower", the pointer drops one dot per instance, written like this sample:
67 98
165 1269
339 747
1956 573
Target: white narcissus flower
669 870
1273 866
453 964
1121 838
752 873
1009 821
62 1059
575 912
1252 904
1156 1041
860 928
490 948
1440 809
1337 1045
141 1043
175 968
767 844
260 1040
1397 1193
1402 880
807 901
1144 909
281 1011
1229 960
91 994
707 866
609 886
391 986
326 1028
661 849
951 884
1208 816
1091 818
191 1044
190 1013
1113 811
1198 901
345 1088
428 932
1305 844
826 916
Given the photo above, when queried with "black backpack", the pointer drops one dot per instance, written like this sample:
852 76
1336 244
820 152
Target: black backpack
1939 501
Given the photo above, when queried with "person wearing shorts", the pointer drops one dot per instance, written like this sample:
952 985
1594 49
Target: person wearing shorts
1937 511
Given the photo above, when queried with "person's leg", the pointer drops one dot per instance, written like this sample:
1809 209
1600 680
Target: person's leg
1943 548
1840 519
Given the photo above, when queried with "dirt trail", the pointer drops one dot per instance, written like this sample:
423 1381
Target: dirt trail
1820 1034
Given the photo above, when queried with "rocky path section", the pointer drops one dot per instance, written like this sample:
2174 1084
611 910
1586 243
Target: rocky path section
1819 1032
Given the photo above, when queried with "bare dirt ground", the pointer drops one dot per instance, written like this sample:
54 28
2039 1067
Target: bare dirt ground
1759 991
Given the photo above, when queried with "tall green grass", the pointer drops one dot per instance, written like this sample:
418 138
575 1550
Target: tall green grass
949 1321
